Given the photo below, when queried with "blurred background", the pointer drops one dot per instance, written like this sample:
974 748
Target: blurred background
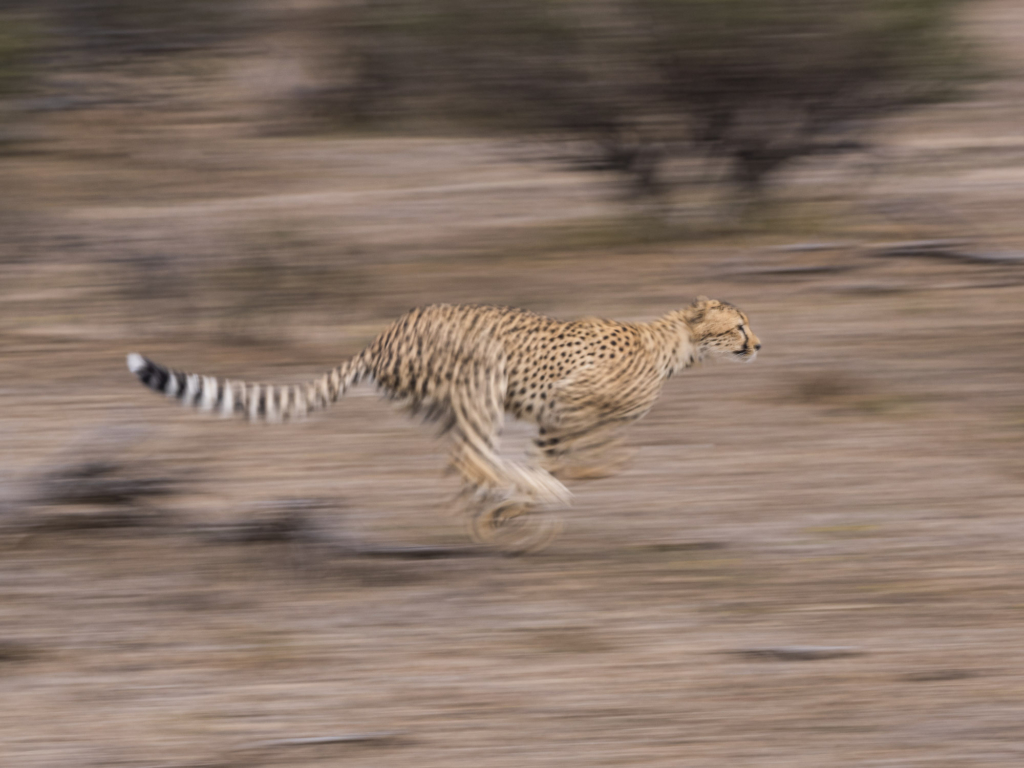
812 560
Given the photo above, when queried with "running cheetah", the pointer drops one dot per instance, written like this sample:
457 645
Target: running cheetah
466 366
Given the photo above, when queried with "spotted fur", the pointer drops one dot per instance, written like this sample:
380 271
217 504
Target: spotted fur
466 366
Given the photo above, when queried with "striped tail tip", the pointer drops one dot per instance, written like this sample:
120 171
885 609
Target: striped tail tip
153 375
137 363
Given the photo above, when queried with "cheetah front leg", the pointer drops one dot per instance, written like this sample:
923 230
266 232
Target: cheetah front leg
503 492
513 526
502 500
475 458
590 453
580 436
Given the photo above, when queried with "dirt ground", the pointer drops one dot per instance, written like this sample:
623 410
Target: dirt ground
813 560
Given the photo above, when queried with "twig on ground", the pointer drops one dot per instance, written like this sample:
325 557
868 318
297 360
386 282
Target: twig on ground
370 737
800 652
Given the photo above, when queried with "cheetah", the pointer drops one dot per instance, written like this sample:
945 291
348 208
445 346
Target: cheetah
466 366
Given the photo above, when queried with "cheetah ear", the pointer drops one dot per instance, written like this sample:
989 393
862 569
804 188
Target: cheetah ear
696 311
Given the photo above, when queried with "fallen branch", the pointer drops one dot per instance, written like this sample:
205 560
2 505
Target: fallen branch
371 737
800 652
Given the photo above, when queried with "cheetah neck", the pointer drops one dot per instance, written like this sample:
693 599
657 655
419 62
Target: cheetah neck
674 343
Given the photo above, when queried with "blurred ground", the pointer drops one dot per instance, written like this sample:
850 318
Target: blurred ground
813 560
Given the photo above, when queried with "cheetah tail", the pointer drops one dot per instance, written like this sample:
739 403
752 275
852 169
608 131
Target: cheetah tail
257 402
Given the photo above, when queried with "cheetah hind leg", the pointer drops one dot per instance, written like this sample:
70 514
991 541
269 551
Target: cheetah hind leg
508 525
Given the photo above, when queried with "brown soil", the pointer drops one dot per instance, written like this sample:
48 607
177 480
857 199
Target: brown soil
812 561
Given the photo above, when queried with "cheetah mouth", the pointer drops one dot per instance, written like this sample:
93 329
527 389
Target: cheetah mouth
745 355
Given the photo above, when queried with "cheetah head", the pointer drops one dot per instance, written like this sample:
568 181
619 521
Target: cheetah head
721 330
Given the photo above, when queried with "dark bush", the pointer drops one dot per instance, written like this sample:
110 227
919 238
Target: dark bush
18 41
754 83
111 29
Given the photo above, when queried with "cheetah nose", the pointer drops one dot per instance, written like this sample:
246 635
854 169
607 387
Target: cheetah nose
757 346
